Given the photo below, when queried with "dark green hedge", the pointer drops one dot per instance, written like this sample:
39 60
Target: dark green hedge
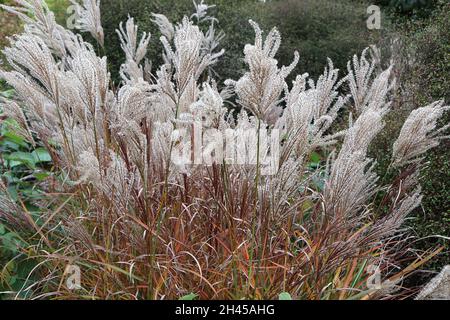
232 14
431 77
425 80
316 28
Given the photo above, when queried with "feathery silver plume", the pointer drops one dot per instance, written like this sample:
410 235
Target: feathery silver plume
352 180
89 18
134 52
165 26
259 90
419 134
369 91
201 12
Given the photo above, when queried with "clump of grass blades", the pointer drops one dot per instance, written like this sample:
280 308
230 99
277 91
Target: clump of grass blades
141 226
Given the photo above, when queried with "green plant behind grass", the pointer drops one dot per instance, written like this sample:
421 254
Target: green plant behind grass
318 29
425 74
23 167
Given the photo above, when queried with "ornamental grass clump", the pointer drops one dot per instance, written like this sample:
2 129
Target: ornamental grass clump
161 190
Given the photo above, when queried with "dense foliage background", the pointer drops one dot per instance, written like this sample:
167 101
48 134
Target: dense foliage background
316 28
424 32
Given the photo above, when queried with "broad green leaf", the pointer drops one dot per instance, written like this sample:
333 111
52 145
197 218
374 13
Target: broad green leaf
24 157
31 192
41 155
10 136
284 296
9 145
12 192
10 177
41 175
13 163
189 297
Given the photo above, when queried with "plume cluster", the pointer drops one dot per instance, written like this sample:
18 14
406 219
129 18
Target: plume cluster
88 13
145 226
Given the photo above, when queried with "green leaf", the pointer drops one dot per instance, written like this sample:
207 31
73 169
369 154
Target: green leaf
189 297
9 145
315 157
13 163
41 155
12 192
23 157
31 193
41 175
10 177
284 296
11 242
10 136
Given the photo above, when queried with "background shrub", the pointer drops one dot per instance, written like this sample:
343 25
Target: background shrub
319 29
409 8
233 18
9 25
430 79
316 28
23 166
423 61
